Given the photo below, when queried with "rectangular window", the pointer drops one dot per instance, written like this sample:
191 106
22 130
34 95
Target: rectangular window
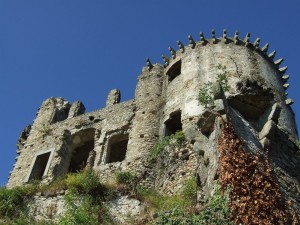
40 166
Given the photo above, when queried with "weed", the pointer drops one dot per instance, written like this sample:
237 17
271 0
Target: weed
177 139
174 140
125 177
81 209
190 189
86 181
215 212
11 202
205 95
159 147
222 78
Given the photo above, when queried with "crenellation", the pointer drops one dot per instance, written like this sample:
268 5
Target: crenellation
173 52
247 40
265 48
180 45
283 69
256 43
242 84
236 37
191 41
202 38
165 59
224 35
278 61
272 55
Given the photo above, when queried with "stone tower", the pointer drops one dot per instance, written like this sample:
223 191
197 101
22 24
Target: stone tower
120 136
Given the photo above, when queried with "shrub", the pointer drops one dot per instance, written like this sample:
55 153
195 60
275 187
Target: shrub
80 210
215 212
174 140
159 147
178 138
222 78
11 201
190 189
85 181
160 202
125 177
205 95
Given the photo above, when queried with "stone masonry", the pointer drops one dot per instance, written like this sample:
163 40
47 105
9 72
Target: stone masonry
121 136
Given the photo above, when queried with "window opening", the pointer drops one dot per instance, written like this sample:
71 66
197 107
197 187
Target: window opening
117 148
84 145
173 124
39 167
174 70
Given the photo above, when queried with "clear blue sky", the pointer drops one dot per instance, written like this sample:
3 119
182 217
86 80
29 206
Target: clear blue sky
80 49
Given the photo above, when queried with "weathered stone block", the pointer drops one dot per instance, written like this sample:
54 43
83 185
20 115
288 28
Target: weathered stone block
77 108
219 106
114 97
268 130
217 91
272 113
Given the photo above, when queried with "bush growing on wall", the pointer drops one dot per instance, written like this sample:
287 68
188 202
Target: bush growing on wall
174 140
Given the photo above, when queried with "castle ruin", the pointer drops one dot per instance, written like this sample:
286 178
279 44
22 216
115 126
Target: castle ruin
64 139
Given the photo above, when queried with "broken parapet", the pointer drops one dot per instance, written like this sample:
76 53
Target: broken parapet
77 108
113 98
242 81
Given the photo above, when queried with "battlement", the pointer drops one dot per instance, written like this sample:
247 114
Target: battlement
237 79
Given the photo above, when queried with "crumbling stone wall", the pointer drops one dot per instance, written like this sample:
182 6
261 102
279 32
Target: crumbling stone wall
255 100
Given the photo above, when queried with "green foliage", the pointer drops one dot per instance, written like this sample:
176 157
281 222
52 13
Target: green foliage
125 177
190 189
24 219
205 95
222 78
159 147
178 138
215 212
13 210
81 209
173 140
86 181
83 200
11 201
160 202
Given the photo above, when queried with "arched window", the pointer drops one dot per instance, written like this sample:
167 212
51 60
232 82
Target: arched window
174 70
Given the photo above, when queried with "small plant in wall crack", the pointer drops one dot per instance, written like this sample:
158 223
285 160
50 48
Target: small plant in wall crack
205 95
222 78
174 140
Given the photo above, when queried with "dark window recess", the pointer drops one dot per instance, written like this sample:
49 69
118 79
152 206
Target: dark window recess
80 156
39 167
174 71
173 124
81 151
117 150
